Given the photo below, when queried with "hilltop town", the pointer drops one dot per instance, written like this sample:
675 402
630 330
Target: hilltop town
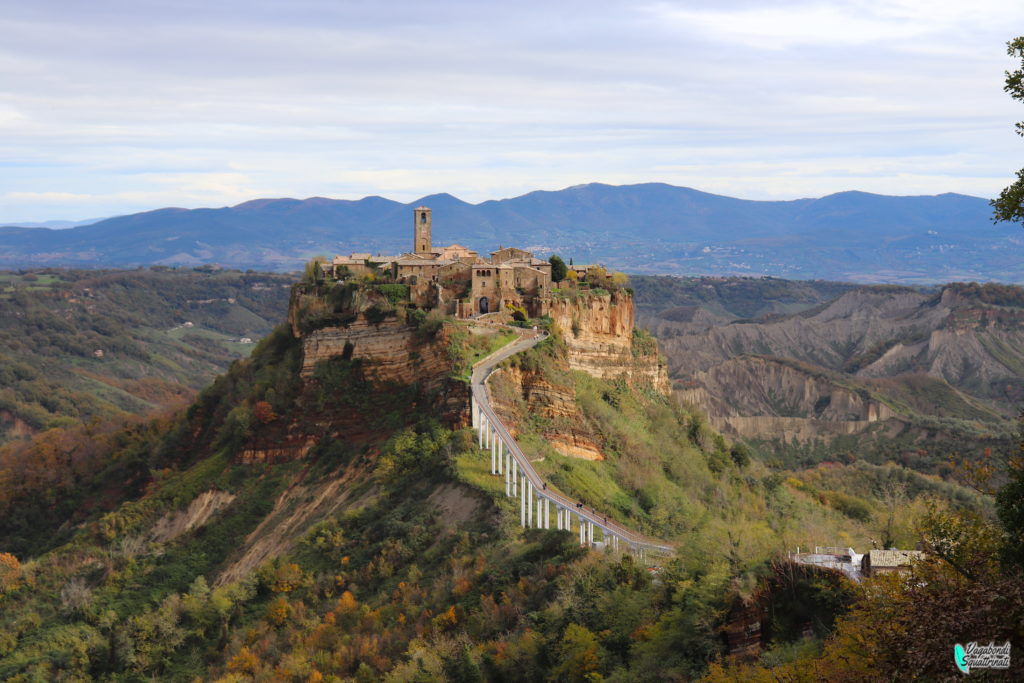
458 281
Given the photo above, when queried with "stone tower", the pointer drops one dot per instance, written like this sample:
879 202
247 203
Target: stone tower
421 231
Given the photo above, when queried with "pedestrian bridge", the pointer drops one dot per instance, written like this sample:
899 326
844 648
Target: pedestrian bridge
536 498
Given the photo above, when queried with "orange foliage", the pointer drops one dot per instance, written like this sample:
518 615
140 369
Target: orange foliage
279 611
10 572
447 619
347 602
246 661
264 412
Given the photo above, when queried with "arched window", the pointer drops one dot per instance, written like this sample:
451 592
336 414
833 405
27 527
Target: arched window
423 216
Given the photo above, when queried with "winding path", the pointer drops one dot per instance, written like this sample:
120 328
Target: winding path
523 481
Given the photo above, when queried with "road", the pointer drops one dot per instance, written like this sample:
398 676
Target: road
481 372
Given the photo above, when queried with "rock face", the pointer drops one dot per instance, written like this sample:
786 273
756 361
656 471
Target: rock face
390 350
886 355
600 341
769 387
598 331
517 394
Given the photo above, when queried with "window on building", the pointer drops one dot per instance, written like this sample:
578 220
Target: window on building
423 216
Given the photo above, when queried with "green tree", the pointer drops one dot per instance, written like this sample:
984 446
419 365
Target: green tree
558 268
1009 205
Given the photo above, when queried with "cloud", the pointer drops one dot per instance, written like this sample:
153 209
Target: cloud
116 106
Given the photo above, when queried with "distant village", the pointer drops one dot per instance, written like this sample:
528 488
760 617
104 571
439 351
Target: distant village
456 279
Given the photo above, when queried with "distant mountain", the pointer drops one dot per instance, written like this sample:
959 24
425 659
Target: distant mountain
56 225
647 228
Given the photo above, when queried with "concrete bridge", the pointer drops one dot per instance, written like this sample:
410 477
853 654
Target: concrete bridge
538 504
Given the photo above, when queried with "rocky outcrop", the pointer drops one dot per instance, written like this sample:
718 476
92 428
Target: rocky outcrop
761 386
598 331
519 394
764 398
391 351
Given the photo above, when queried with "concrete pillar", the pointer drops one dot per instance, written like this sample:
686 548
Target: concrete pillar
583 531
508 483
540 513
547 514
522 511
480 431
501 448
529 501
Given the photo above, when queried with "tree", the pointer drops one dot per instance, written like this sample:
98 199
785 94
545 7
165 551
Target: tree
558 268
1009 205
1010 506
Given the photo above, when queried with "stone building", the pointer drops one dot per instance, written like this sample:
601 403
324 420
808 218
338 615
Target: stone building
455 278
877 562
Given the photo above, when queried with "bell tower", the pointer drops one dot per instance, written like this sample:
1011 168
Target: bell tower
421 231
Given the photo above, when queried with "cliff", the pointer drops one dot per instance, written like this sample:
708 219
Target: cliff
519 394
599 334
597 338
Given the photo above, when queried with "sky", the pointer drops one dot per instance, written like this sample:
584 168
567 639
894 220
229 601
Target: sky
111 107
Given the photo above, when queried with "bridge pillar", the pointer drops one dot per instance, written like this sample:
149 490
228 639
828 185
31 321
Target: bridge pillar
500 444
583 531
515 477
547 514
522 511
508 481
480 431
529 501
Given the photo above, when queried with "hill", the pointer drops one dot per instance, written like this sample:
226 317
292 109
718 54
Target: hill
77 346
647 228
871 372
379 546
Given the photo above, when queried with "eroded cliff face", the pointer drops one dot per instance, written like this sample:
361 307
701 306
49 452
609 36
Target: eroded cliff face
765 398
600 341
391 351
598 331
518 395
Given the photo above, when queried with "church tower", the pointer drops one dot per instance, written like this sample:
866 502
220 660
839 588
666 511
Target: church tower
421 231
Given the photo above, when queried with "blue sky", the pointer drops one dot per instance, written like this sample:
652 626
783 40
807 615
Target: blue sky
111 107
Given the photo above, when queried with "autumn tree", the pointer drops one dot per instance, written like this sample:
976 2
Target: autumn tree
10 573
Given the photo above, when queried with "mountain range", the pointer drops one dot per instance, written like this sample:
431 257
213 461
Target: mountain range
650 228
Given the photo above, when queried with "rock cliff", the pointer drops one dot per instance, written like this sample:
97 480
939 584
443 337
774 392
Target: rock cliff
599 334
519 394
600 340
